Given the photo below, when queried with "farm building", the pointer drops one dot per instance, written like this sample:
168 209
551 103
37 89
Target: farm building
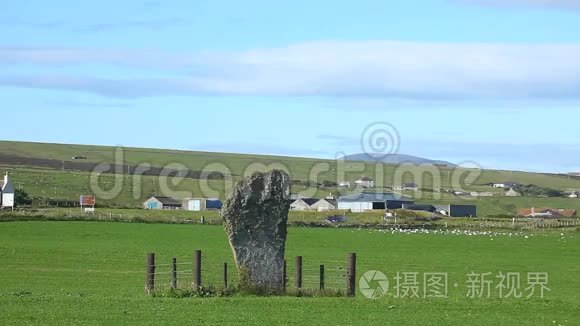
303 204
158 202
201 204
417 207
365 182
344 184
546 212
457 210
7 192
367 201
324 205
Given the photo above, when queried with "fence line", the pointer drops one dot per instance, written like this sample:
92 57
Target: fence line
165 276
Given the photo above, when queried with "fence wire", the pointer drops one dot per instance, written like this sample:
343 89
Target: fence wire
212 274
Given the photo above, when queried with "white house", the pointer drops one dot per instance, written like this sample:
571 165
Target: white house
324 205
303 204
162 203
365 182
573 195
7 190
344 184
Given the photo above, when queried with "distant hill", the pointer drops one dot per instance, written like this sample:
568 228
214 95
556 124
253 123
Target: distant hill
55 172
395 159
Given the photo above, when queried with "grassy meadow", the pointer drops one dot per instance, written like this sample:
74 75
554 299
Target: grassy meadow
55 273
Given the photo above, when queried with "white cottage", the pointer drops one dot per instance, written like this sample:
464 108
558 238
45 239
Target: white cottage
324 205
8 193
365 182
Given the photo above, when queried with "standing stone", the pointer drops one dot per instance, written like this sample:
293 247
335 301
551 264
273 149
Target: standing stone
255 218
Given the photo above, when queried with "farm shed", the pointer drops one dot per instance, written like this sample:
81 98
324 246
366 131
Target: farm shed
324 205
158 202
457 210
417 207
7 192
303 204
367 201
201 204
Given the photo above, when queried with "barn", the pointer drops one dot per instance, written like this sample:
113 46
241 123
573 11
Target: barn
457 210
368 201
201 204
418 207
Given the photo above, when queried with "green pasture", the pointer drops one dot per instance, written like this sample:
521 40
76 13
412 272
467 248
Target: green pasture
55 273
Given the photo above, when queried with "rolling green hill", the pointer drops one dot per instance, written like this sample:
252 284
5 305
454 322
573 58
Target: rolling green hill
48 171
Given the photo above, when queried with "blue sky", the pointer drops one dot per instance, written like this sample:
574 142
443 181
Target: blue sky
496 82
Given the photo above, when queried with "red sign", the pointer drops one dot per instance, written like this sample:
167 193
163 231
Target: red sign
88 200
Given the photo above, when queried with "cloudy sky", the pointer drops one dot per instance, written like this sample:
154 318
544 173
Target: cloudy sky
495 82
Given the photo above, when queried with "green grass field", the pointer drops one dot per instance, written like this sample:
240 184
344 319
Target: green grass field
93 273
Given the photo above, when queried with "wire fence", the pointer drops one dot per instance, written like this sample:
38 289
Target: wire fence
203 272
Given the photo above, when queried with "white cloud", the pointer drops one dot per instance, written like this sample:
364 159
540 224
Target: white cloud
401 70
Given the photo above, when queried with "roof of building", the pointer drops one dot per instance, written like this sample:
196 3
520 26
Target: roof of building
310 201
371 197
419 207
307 201
332 202
544 211
410 185
168 201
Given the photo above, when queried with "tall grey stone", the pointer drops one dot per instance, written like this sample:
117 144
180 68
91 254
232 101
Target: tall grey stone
256 218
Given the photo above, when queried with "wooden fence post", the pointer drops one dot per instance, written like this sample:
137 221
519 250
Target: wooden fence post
225 275
322 277
150 280
299 272
197 269
351 289
174 274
